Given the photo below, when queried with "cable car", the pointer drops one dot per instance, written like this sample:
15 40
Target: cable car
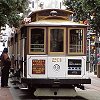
49 52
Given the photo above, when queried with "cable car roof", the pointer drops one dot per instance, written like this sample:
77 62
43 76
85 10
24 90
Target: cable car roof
54 22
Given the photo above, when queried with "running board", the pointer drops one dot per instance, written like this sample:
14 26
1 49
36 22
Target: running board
22 87
55 92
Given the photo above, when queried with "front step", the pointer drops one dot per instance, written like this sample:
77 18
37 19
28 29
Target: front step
55 92
22 86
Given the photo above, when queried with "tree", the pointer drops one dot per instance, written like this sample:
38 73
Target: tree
86 9
77 7
10 10
93 8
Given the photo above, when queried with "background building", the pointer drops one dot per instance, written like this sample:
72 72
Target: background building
46 4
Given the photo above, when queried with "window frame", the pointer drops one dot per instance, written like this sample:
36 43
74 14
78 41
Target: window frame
82 51
64 41
32 52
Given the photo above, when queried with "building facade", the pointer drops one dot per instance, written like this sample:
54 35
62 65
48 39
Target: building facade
46 4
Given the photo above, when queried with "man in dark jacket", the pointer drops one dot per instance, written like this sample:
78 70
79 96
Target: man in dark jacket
6 63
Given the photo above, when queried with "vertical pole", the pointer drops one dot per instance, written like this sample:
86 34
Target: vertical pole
23 55
89 54
96 52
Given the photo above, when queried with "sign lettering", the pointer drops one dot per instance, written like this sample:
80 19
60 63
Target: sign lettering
56 59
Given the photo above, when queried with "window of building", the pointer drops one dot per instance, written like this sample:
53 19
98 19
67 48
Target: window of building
32 4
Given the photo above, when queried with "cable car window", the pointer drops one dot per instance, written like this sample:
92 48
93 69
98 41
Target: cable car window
56 40
37 40
76 41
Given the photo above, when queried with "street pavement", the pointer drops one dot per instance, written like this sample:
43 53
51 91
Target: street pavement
91 92
5 94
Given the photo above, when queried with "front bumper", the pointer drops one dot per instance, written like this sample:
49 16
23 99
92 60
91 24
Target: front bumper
55 82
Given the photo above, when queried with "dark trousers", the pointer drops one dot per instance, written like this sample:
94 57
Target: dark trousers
4 76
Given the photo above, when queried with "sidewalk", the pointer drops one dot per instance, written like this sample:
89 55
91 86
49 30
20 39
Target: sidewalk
94 79
5 93
92 91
